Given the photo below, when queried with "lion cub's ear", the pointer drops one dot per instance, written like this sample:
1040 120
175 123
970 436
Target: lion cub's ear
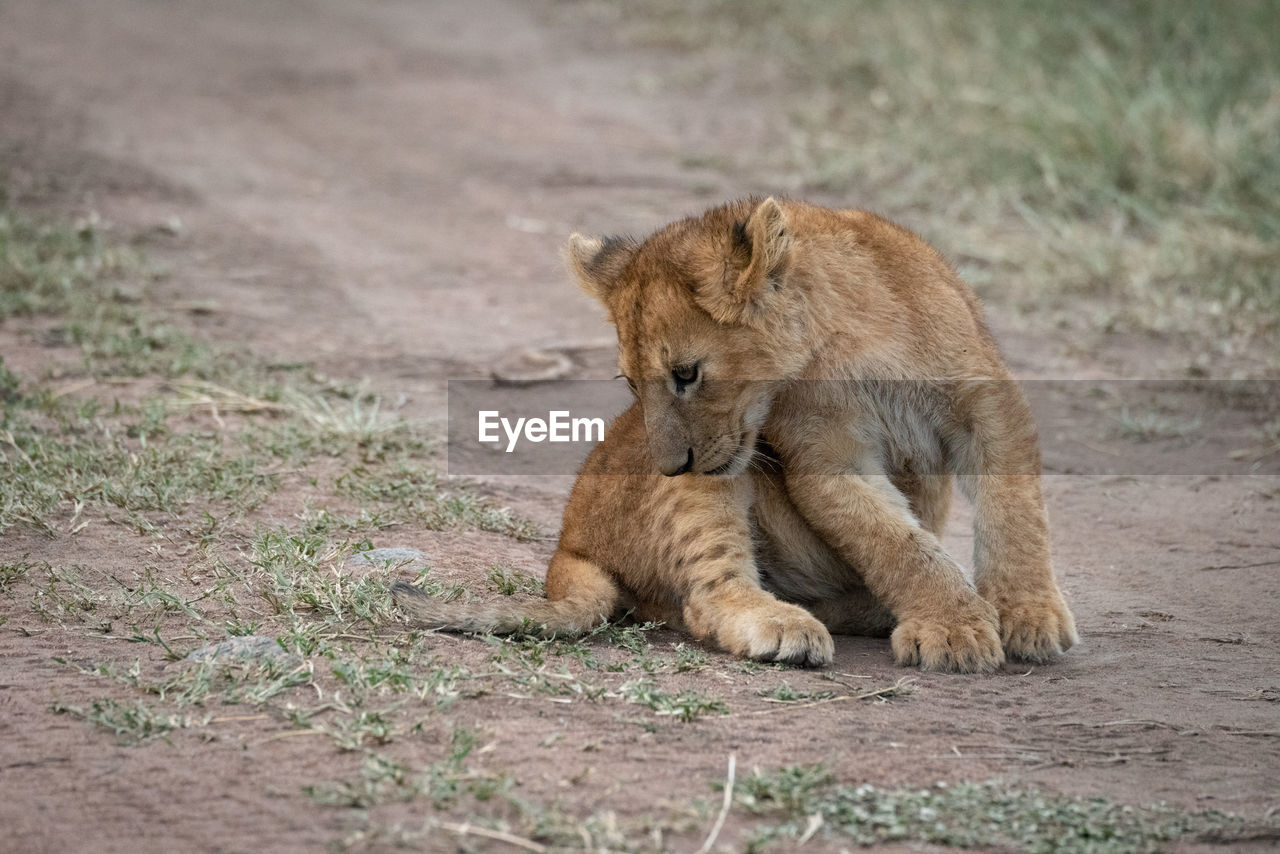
598 262
759 249
767 244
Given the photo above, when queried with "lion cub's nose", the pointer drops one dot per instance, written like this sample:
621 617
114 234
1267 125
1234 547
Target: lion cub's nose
672 471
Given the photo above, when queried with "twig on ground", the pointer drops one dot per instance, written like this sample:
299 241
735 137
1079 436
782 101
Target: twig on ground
1240 565
290 734
724 807
815 822
467 829
904 686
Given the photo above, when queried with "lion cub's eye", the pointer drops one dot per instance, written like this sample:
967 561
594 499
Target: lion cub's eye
685 374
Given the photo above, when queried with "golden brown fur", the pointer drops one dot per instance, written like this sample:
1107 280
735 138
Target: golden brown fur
815 377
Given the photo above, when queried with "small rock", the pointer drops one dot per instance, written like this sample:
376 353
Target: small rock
382 557
530 366
247 646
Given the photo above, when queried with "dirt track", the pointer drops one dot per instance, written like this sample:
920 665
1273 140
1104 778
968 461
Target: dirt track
382 189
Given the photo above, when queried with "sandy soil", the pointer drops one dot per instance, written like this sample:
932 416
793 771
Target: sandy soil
382 189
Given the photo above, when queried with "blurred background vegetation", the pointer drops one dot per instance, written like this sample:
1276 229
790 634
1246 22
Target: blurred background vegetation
1122 149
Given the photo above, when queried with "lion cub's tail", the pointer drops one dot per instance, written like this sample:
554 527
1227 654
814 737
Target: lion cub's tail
584 597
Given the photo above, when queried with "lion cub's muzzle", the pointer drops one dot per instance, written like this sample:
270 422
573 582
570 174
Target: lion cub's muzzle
671 470
714 461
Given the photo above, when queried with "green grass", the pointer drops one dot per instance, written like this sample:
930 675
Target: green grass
1124 150
783 692
685 706
131 722
92 288
64 455
780 810
690 658
213 437
383 779
47 267
980 816
13 571
509 582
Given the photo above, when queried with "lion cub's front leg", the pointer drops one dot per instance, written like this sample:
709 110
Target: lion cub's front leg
715 572
943 624
1011 566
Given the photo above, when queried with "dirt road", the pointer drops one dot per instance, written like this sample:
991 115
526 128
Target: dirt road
382 189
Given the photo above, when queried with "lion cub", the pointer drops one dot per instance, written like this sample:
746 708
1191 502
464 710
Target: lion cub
808 381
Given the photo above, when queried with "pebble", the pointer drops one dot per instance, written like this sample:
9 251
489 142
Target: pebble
394 556
247 646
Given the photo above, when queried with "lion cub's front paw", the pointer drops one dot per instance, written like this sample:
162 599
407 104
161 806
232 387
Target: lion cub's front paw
1036 629
785 633
968 643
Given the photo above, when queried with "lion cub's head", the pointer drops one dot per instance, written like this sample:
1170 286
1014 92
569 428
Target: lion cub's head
707 328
